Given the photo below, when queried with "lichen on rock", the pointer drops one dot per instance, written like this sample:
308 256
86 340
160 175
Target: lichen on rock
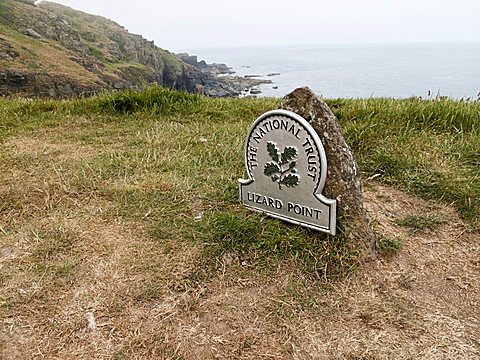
343 175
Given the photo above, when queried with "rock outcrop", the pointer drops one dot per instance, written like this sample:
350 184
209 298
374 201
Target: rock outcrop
343 176
7 51
53 50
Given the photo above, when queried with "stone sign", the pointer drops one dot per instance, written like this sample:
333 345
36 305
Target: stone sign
287 168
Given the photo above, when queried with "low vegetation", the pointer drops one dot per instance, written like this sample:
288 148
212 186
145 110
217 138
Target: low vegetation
388 247
128 198
427 147
420 222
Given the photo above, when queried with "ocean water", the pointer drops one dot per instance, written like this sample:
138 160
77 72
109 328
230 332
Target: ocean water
352 71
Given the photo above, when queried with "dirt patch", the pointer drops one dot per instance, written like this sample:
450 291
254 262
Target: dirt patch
66 314
127 296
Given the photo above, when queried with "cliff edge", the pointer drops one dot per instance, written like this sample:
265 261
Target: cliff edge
50 50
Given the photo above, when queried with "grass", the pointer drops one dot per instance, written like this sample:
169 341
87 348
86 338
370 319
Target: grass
428 147
420 222
125 206
164 156
254 240
388 247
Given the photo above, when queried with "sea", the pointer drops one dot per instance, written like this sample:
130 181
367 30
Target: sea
399 70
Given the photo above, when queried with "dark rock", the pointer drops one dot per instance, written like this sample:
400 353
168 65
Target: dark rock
218 92
65 90
7 52
255 91
43 85
219 69
202 64
275 87
252 76
343 176
189 59
15 79
273 74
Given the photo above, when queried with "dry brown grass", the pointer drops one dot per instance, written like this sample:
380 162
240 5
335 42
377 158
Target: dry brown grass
81 280
62 151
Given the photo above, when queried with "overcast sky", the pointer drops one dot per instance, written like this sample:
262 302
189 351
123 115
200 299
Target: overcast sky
180 25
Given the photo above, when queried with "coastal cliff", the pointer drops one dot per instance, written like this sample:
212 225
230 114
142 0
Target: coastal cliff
50 50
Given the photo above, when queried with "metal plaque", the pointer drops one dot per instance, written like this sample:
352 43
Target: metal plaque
287 168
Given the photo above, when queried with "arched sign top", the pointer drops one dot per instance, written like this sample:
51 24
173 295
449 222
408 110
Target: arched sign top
287 168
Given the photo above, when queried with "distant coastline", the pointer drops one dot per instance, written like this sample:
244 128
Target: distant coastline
358 71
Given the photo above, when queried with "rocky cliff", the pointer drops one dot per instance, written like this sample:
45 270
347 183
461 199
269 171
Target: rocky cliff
49 50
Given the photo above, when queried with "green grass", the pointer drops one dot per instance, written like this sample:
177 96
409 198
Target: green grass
388 247
420 222
28 2
428 147
150 163
254 239
97 53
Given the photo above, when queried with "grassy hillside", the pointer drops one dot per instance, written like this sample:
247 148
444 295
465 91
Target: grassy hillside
53 51
121 233
33 55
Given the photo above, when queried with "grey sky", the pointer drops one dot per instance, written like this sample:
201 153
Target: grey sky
180 25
